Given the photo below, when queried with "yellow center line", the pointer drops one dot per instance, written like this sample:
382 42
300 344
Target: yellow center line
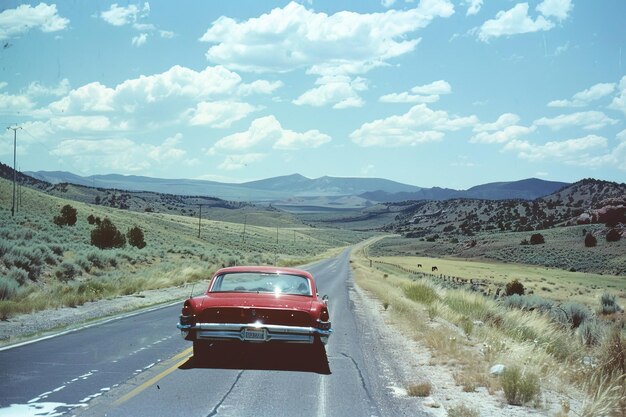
186 354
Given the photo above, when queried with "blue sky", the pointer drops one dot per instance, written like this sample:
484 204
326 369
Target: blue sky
430 93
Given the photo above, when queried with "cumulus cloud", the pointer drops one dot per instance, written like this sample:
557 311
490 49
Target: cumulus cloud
387 3
36 89
340 91
589 120
555 8
505 120
294 37
507 134
619 102
120 15
139 40
81 123
419 125
119 154
428 93
268 130
15 104
219 114
473 6
512 22
583 98
259 87
14 22
133 94
572 151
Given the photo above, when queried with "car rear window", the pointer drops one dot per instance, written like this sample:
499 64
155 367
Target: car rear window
258 282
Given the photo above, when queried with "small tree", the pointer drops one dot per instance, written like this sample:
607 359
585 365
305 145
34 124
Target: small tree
67 217
135 237
590 240
106 235
613 235
514 287
91 219
537 239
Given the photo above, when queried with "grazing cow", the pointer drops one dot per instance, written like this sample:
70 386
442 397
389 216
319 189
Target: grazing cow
419 265
434 268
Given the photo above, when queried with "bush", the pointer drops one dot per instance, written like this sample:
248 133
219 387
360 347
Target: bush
67 217
613 235
575 314
91 219
462 411
590 240
537 239
609 304
66 271
106 236
519 388
591 332
419 390
18 275
421 293
8 288
514 287
135 238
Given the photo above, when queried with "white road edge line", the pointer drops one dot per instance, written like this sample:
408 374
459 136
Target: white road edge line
96 323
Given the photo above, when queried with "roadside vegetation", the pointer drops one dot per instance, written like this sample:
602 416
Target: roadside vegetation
565 356
56 253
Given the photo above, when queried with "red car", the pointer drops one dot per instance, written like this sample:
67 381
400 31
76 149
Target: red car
256 304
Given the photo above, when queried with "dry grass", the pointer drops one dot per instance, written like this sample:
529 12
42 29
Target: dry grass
549 354
422 389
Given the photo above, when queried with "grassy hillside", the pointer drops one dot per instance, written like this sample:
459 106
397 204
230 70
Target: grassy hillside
43 265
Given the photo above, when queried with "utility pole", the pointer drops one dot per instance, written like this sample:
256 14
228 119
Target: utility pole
199 220
245 222
14 129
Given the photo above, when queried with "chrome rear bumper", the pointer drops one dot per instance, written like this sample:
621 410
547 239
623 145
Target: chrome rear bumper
237 331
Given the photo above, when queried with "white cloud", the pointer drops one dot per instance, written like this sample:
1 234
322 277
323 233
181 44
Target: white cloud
139 40
15 104
220 114
132 95
269 130
81 123
340 91
572 151
512 22
505 120
233 162
473 6
343 43
419 125
621 136
555 8
120 16
428 93
167 151
589 120
259 87
166 34
20 20
619 102
387 3
507 134
583 98
37 89
119 154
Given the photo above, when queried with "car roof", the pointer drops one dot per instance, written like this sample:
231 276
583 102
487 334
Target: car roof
264 269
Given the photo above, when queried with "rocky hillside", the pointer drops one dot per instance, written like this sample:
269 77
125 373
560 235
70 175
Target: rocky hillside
586 201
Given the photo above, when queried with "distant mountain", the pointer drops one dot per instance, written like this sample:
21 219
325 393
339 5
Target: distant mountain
271 189
528 189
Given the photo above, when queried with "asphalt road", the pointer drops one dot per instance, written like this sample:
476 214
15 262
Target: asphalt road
140 366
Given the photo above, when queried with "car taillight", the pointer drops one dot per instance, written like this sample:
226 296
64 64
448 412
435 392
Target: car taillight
324 314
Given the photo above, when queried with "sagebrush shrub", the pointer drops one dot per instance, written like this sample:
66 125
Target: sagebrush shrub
462 410
514 287
591 332
519 388
575 314
422 389
608 304
8 288
67 271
